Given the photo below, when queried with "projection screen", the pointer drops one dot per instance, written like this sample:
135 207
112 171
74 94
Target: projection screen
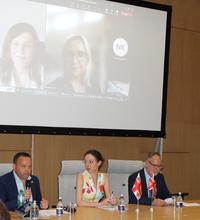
91 67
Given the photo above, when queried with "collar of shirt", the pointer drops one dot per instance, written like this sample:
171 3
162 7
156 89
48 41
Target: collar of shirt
147 177
20 185
19 182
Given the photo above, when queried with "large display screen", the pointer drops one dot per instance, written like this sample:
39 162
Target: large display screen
91 67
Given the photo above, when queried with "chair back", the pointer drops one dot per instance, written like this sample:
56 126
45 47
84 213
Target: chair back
5 168
119 171
67 179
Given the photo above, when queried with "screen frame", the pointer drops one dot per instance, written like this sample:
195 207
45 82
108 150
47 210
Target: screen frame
113 132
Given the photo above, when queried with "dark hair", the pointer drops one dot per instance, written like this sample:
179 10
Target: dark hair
20 154
7 64
4 214
151 154
96 154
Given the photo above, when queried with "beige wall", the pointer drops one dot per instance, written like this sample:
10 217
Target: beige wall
182 145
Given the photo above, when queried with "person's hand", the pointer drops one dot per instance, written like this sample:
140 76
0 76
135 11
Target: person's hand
27 194
159 202
108 201
44 204
113 200
104 202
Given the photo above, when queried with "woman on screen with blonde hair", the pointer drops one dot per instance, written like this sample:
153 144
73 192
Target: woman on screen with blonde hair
78 72
77 63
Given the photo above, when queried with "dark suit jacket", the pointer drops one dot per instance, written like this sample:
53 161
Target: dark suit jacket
162 190
9 191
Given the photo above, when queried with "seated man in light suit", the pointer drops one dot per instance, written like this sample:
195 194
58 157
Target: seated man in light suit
15 182
152 168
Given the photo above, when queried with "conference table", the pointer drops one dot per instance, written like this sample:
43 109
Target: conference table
144 213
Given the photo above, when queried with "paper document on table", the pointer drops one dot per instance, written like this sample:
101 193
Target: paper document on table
48 213
191 204
108 207
169 201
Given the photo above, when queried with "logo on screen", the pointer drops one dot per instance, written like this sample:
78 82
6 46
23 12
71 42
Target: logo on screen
120 47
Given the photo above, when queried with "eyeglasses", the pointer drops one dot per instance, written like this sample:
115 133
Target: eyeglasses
155 165
88 161
70 55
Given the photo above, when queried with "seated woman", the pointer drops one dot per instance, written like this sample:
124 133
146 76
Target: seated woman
92 187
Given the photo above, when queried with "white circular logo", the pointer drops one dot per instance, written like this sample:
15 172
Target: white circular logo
120 47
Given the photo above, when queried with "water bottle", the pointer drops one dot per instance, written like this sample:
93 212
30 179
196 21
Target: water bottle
179 200
121 204
20 198
34 212
59 207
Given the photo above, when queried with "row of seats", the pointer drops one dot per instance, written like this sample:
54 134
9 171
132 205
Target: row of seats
118 171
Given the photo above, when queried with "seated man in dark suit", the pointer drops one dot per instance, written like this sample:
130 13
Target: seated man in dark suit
20 181
151 170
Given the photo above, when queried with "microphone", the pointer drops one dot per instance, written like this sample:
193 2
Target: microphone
28 183
28 186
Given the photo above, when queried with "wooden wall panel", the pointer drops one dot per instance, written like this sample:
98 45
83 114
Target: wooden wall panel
183 104
185 13
10 141
177 173
10 144
183 89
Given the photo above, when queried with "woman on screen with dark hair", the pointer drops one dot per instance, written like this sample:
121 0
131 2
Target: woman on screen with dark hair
20 65
92 187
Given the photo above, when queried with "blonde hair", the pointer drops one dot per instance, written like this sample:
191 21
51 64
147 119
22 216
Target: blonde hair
82 39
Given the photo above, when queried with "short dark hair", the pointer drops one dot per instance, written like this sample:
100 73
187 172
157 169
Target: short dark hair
151 154
20 154
96 154
4 214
